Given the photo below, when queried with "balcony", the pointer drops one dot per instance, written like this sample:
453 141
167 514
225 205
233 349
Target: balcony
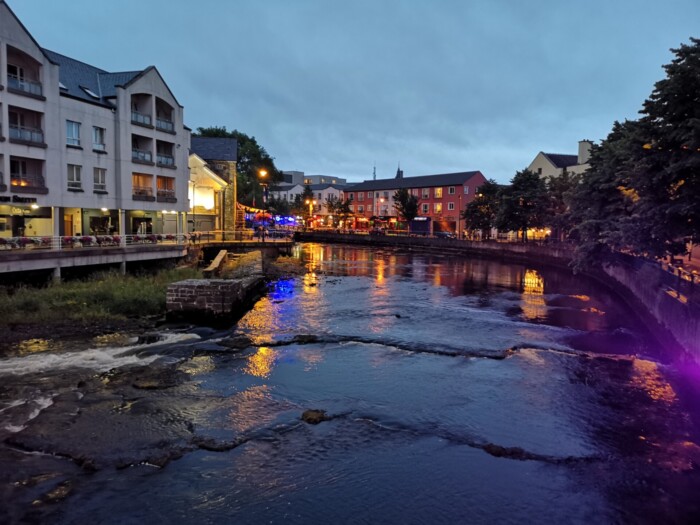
144 157
99 148
165 125
166 195
167 161
24 135
27 183
75 185
141 119
143 193
23 85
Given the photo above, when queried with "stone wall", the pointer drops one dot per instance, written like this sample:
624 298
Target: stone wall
215 301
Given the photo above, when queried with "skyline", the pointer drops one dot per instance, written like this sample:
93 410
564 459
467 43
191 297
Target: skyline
448 87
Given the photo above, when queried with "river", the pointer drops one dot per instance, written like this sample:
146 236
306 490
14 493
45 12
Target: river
455 391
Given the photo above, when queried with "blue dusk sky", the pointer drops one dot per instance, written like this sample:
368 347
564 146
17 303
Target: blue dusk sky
338 86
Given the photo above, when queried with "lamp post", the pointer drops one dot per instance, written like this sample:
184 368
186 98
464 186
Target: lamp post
263 183
459 218
311 203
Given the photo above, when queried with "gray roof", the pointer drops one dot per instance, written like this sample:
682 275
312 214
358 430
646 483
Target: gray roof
76 75
215 148
424 181
560 160
320 187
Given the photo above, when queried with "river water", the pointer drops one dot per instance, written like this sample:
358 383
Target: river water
455 391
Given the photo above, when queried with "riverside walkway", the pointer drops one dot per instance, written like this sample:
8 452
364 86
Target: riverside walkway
27 254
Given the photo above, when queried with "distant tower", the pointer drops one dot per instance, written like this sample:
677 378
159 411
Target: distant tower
374 173
399 172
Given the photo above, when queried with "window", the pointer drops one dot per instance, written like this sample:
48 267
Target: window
360 209
99 179
98 138
451 190
352 197
351 207
450 206
320 196
15 71
466 190
369 194
386 194
437 207
360 197
72 133
438 193
74 180
425 208
426 193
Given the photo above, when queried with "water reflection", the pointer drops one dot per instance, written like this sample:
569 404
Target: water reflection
533 305
646 375
260 364
33 346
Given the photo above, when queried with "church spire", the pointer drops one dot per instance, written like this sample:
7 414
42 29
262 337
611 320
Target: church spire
399 172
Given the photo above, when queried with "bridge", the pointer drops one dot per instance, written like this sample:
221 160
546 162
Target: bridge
27 254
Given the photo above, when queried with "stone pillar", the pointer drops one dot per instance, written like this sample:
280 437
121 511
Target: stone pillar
122 227
122 268
57 274
56 228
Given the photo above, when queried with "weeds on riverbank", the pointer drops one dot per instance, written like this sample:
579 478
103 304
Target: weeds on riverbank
103 297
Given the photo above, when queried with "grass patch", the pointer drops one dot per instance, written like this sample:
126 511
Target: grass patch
103 297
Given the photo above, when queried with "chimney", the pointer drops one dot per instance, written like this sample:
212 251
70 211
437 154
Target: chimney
584 151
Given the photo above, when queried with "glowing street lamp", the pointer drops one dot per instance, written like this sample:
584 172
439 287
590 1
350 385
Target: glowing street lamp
311 204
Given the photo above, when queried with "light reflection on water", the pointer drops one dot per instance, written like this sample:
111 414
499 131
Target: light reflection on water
261 362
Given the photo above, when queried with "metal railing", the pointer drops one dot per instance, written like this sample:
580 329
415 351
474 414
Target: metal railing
26 134
165 193
22 84
165 125
27 180
66 242
140 118
141 155
165 160
142 191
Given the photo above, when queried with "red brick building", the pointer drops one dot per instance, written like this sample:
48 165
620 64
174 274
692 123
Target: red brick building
440 199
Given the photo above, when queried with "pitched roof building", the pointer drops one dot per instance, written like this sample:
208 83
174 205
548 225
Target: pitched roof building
554 164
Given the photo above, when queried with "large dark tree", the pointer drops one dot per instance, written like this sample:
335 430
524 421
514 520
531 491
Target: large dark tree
523 204
480 213
642 190
406 205
560 191
252 157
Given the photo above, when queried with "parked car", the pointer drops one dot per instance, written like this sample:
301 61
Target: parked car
445 235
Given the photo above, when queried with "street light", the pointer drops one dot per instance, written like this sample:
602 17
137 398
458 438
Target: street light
263 173
311 204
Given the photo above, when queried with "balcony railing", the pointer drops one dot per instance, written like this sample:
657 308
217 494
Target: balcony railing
21 84
144 191
165 160
98 147
165 125
26 134
141 155
166 195
140 118
27 183
75 185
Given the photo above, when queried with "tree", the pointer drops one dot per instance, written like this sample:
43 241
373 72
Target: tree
642 190
560 192
343 211
331 204
406 205
251 158
523 204
278 206
480 213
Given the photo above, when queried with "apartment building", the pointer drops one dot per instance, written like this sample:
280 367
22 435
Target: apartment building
84 150
440 199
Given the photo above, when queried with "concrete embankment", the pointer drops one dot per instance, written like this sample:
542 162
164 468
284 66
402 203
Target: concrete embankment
667 305
219 301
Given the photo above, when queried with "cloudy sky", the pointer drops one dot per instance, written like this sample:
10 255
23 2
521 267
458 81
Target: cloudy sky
339 86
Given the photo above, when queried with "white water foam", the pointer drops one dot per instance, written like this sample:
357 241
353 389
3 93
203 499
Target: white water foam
97 359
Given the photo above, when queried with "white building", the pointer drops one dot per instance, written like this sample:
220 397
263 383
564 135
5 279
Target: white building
84 150
553 164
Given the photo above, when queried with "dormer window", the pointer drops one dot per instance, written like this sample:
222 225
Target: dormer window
90 92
